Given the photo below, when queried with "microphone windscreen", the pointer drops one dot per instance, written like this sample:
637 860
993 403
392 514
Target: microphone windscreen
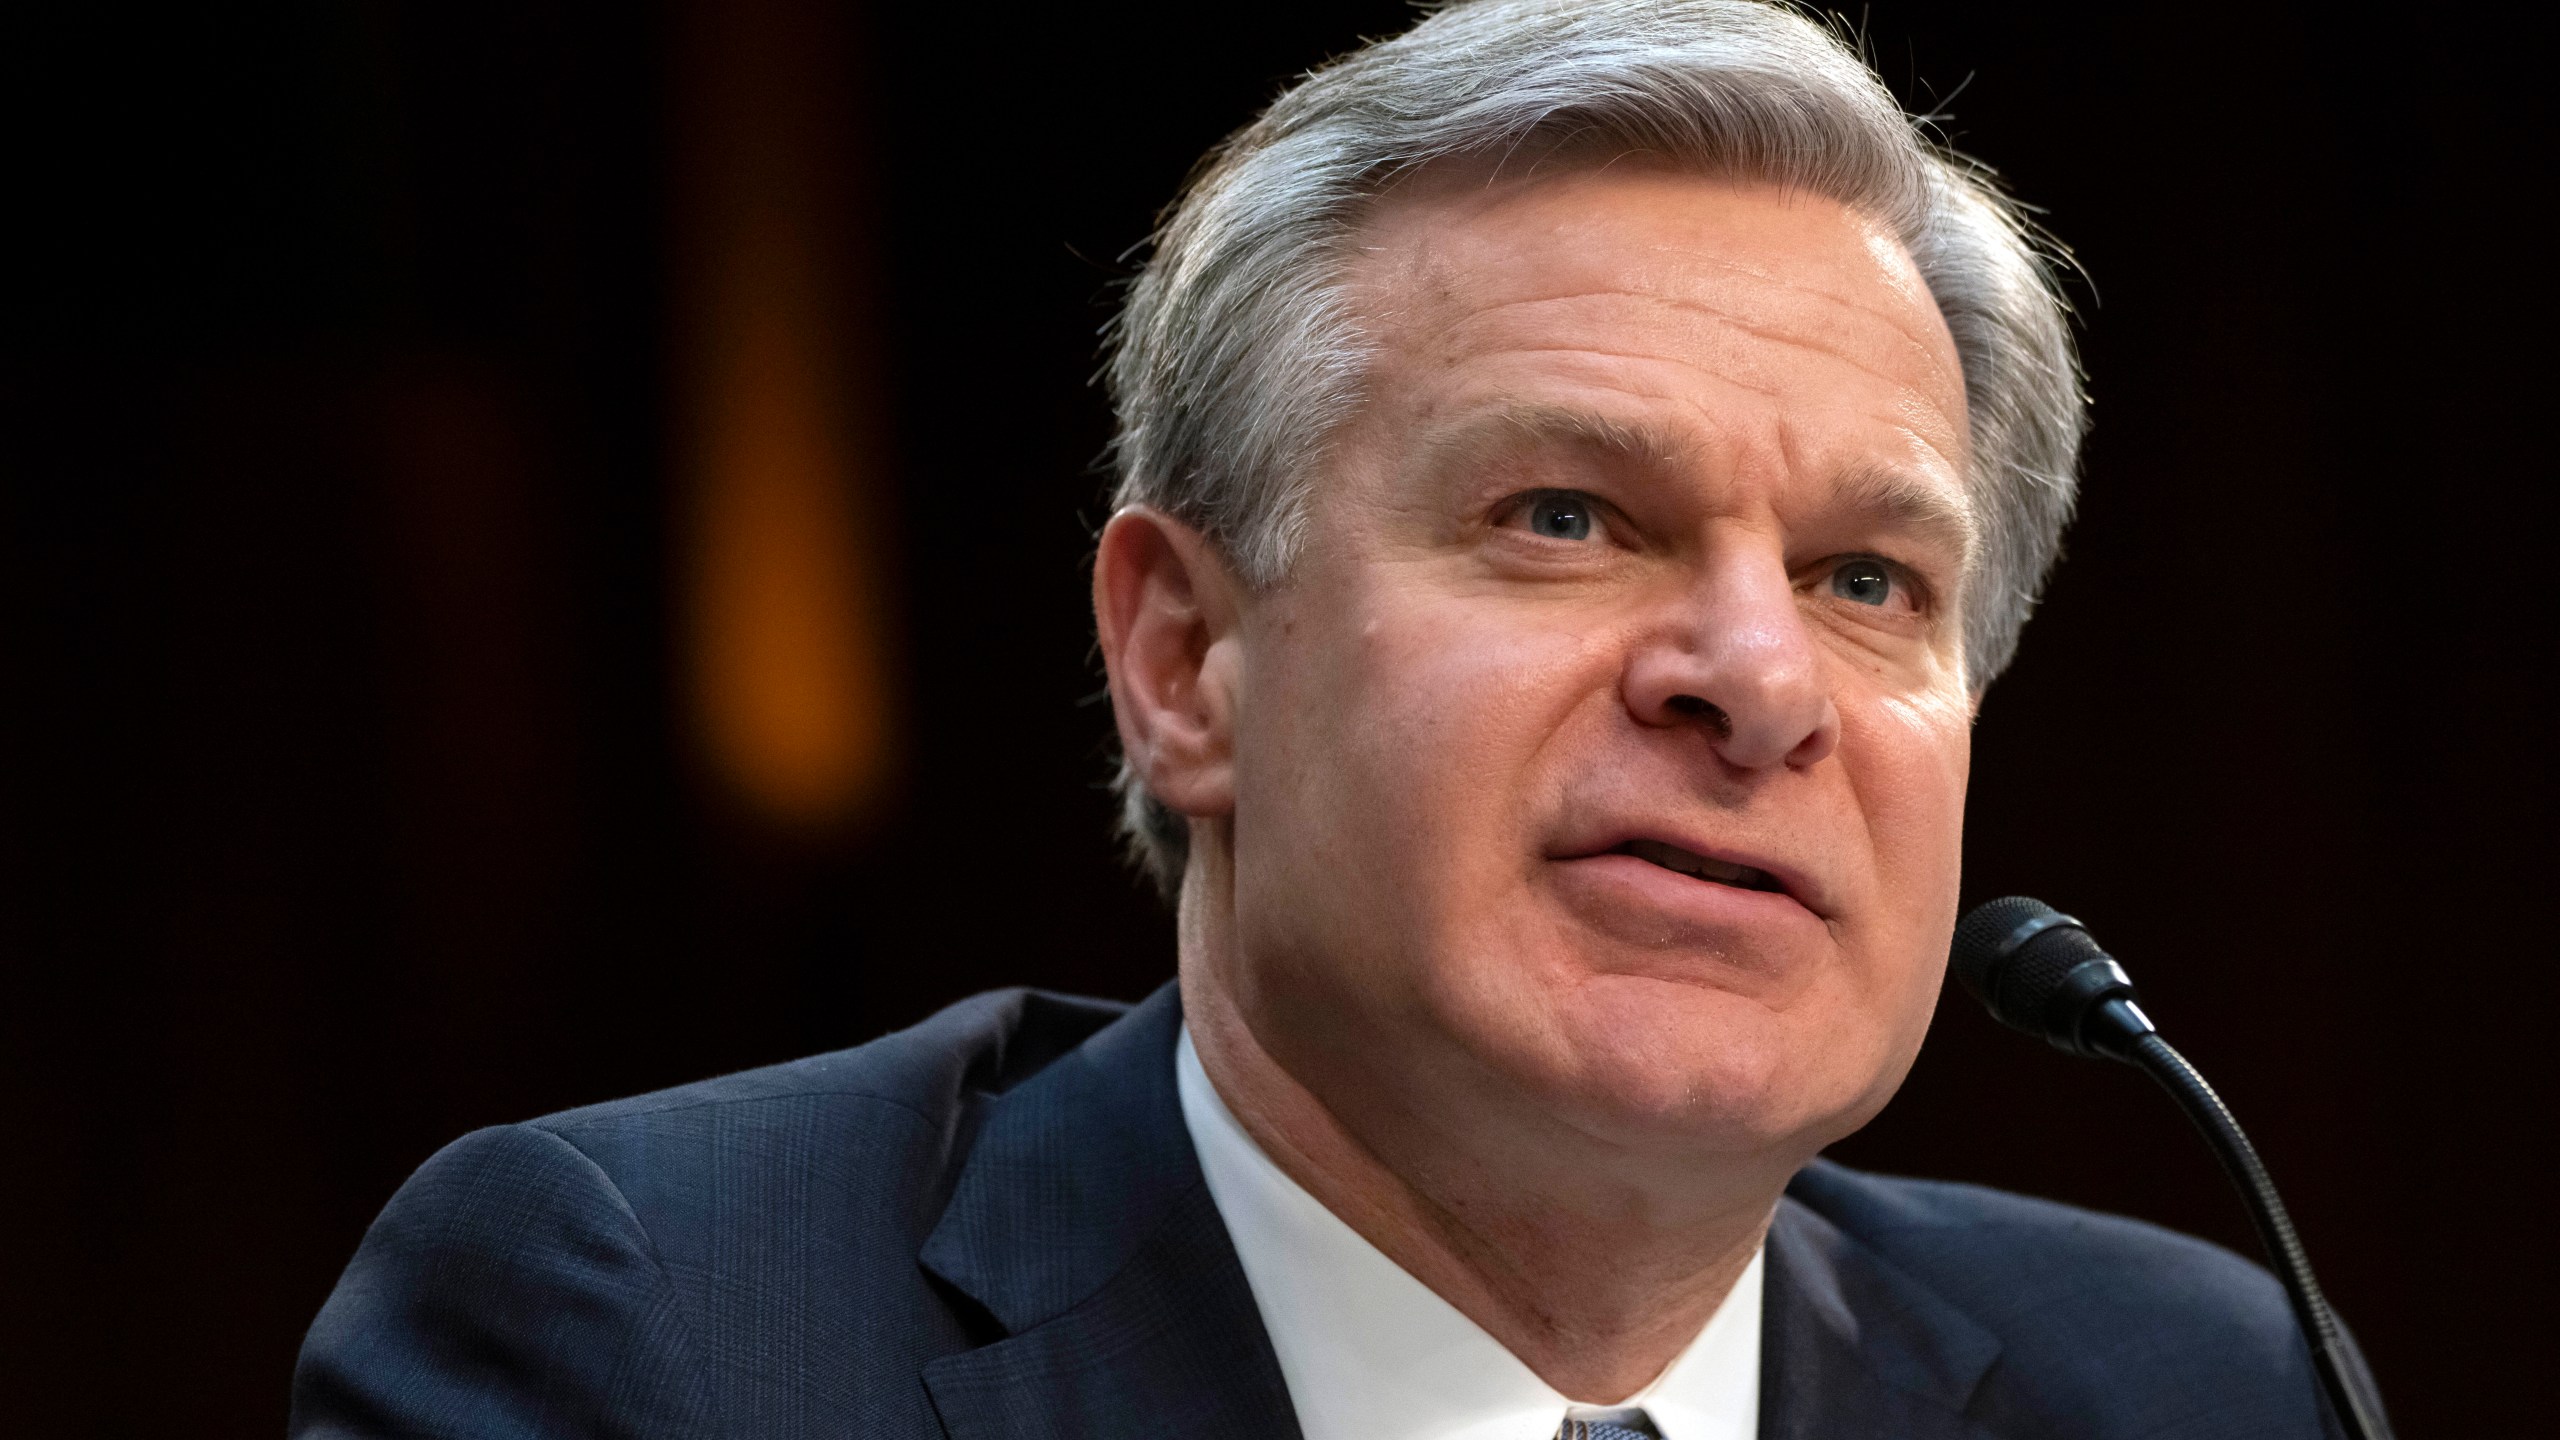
2012 954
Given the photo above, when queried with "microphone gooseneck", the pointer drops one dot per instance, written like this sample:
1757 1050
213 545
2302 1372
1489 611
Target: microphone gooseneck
2040 971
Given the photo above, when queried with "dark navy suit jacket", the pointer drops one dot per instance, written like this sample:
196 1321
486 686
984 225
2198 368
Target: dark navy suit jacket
993 1225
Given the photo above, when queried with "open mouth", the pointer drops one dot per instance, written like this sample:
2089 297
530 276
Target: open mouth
1699 867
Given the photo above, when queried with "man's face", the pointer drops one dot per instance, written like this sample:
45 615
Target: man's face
1603 758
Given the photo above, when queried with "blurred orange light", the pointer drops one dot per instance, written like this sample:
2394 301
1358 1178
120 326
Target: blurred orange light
784 631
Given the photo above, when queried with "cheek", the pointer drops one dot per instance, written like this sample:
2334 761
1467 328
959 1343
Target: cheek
1472 700
1448 702
1392 746
1909 761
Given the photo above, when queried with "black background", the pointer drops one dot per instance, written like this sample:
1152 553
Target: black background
347 806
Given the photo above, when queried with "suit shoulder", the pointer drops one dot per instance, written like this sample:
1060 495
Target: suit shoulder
855 1143
505 1289
1972 1238
1926 1221
985 1044
2084 1304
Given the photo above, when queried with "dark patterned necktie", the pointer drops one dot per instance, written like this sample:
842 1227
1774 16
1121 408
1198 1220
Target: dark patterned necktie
1627 1424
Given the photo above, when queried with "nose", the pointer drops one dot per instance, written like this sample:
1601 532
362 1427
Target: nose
1735 659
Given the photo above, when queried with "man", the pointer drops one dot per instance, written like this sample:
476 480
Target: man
1580 466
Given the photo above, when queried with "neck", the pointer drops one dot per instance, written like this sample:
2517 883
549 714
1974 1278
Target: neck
1596 1275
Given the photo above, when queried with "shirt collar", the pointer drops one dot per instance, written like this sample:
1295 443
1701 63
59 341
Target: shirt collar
1368 1350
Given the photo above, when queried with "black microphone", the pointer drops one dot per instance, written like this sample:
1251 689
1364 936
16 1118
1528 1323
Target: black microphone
2040 971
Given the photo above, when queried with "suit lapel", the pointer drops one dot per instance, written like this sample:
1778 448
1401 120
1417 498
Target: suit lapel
1853 1348
1082 1225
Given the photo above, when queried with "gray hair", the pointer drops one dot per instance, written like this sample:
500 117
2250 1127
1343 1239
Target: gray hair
1236 353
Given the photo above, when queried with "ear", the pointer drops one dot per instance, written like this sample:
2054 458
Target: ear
1165 606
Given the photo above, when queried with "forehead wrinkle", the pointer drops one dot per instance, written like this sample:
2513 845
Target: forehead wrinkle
1785 337
1663 441
1918 301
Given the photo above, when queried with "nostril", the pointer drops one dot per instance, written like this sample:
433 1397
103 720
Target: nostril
1700 708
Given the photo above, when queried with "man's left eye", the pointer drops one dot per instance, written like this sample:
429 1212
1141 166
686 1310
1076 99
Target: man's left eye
1867 582
1558 514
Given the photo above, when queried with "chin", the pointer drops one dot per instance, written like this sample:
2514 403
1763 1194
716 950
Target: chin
1694 1066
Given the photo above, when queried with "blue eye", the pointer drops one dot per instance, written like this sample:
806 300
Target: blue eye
1867 582
1560 515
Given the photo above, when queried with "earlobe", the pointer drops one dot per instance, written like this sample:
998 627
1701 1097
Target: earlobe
1165 608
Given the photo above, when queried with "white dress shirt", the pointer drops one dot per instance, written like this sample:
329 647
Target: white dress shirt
1370 1353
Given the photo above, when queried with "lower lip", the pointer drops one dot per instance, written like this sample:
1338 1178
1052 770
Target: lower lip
1643 902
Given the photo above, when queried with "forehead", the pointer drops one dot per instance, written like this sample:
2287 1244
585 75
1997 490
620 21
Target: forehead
1685 302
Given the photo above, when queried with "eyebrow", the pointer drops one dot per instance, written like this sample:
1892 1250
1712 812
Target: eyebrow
1509 430
1896 499
1906 503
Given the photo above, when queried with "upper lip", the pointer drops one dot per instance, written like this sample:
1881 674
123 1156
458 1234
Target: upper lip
1772 873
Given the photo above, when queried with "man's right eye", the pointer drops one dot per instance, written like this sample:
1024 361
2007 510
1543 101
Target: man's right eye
1557 514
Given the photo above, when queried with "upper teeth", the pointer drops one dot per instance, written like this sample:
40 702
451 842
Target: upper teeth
1689 862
